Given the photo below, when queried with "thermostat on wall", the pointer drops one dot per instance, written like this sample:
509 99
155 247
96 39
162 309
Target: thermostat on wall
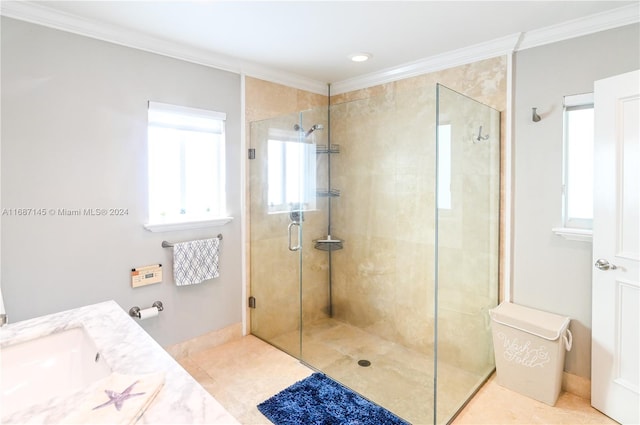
146 275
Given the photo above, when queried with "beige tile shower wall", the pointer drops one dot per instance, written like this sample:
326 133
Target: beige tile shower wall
271 266
383 279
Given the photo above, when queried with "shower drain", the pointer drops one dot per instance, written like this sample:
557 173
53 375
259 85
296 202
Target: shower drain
364 363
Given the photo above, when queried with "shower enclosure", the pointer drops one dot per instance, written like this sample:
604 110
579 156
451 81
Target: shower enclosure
374 245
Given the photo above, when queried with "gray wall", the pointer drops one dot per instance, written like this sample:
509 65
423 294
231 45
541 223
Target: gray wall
74 124
549 272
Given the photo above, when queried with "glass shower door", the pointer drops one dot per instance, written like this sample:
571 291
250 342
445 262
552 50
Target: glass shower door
468 202
376 312
282 192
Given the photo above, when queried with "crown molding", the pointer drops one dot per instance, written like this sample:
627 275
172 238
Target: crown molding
45 16
261 72
613 18
603 21
490 49
42 15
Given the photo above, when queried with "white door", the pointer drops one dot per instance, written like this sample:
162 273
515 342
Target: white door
615 366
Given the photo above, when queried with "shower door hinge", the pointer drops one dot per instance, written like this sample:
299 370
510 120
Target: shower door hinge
252 302
252 153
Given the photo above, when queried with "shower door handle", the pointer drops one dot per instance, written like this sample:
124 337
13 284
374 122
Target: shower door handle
297 247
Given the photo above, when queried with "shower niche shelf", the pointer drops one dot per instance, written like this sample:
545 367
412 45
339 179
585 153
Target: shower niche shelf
328 193
328 244
327 149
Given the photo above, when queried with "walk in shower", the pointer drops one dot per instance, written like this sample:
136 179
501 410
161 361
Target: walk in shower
374 244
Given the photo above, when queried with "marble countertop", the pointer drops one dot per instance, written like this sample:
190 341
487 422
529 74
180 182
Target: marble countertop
127 349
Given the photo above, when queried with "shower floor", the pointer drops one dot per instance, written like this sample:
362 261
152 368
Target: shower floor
398 378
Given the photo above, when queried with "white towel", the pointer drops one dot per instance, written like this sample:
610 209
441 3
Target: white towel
117 399
195 261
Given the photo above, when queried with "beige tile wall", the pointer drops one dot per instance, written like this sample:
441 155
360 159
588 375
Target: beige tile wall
383 279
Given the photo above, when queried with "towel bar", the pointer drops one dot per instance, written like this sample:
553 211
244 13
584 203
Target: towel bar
166 244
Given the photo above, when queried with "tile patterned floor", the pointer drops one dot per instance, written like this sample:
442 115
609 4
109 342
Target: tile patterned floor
244 372
494 404
395 372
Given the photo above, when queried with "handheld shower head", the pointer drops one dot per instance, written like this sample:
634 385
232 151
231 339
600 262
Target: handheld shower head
314 128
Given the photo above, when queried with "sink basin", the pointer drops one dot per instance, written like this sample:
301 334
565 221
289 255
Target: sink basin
56 365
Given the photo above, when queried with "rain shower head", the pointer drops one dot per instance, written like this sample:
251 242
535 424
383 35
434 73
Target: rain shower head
313 128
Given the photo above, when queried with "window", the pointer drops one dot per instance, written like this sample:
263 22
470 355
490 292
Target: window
186 159
291 172
577 188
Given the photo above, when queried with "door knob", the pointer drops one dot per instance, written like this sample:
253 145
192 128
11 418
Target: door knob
603 264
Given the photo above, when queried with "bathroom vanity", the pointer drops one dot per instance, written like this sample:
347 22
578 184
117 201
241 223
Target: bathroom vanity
114 343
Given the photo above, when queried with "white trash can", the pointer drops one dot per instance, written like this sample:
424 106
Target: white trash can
529 347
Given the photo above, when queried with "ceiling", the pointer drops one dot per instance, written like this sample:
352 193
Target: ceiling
313 39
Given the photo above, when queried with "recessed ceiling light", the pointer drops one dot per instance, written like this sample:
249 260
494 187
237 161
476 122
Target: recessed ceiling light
360 57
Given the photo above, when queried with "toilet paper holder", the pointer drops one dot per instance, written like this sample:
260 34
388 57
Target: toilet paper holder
135 311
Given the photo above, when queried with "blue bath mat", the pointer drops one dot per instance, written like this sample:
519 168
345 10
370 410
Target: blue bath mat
318 400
